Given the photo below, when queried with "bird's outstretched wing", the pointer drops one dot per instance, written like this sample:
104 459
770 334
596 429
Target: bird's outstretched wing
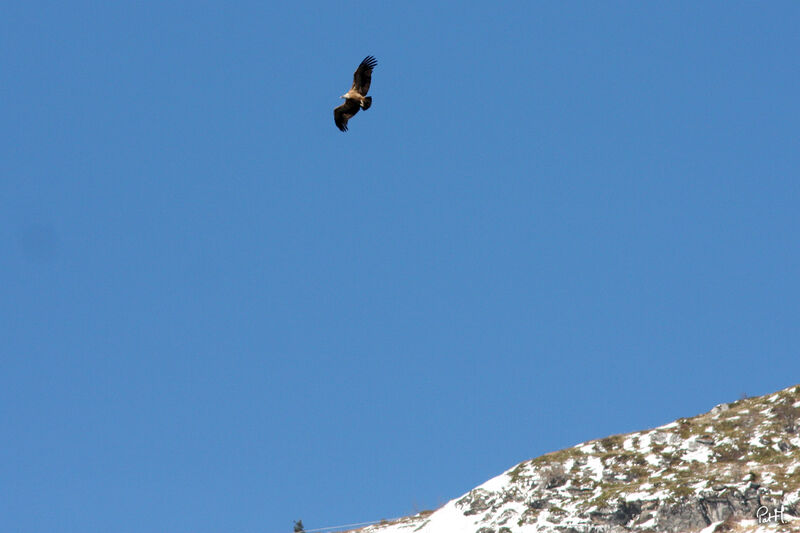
363 75
345 112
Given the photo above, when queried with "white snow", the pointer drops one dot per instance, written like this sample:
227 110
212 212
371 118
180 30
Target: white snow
711 528
701 455
495 484
595 465
653 459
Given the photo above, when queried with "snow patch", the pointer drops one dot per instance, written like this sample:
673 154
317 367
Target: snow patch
701 455
495 484
595 466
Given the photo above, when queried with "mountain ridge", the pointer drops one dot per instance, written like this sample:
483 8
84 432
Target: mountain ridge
735 468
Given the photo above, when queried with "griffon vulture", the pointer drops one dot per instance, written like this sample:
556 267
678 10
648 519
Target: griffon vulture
356 98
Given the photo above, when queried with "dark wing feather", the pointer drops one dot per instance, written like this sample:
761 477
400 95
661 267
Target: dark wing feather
345 112
363 75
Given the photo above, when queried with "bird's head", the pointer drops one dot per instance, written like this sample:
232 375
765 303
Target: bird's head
344 96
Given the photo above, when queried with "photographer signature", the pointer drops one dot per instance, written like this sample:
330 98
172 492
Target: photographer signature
763 515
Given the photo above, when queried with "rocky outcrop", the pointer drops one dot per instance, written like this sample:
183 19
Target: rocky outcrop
692 474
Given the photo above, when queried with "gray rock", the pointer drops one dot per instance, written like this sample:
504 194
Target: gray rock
537 504
698 513
622 513
476 501
721 408
680 517
505 516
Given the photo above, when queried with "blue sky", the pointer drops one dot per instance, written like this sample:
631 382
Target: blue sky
556 222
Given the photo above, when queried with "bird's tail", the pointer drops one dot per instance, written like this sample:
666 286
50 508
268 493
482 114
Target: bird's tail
366 103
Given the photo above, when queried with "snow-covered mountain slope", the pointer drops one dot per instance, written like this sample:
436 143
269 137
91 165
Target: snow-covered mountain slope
720 471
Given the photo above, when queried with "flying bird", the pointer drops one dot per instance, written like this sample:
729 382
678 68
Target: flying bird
356 98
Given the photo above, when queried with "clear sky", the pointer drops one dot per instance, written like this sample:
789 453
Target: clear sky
218 313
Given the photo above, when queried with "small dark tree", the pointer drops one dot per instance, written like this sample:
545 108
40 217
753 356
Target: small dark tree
298 527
